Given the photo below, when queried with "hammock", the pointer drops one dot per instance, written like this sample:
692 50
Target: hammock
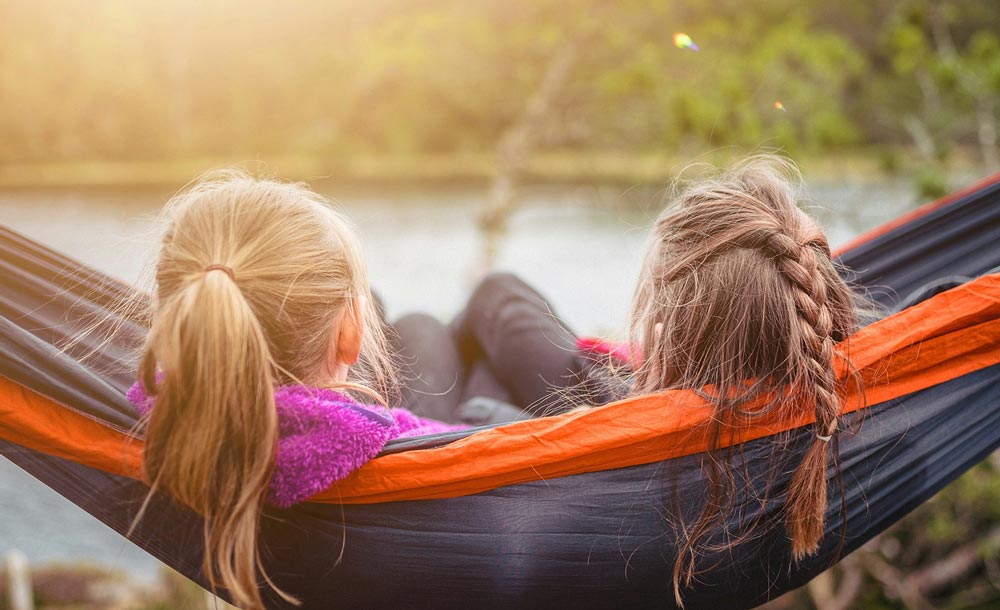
577 509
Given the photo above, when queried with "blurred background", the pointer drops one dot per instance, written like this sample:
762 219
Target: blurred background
540 136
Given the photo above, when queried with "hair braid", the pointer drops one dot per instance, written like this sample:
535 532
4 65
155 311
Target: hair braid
813 380
740 300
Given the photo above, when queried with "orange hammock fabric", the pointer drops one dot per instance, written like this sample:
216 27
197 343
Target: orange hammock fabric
947 336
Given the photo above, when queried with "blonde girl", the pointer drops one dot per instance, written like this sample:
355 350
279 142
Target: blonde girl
263 334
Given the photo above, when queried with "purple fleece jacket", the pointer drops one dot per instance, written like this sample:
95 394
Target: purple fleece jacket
323 437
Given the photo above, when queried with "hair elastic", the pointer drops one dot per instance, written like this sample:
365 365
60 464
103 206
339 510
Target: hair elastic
223 268
829 432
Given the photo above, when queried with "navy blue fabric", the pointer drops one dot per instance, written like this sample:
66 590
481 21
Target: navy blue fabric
595 540
959 239
66 303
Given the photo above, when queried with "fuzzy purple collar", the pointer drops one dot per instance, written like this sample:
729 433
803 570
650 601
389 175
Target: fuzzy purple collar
323 437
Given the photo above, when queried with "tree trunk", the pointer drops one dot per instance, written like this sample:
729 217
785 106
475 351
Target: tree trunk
515 148
921 137
827 596
956 565
987 132
18 582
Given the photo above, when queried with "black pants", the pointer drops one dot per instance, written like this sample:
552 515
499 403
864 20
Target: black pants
507 347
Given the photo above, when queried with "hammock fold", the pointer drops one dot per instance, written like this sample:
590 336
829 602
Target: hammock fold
575 509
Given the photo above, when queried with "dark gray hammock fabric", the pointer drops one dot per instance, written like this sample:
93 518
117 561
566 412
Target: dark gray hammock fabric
596 540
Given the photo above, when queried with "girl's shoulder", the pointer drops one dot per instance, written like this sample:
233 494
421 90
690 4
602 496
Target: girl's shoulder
323 436
303 407
408 424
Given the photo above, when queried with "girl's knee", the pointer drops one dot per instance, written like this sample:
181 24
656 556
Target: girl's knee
499 282
496 288
421 334
417 320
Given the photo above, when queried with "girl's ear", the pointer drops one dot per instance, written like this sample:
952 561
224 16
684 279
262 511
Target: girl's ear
351 330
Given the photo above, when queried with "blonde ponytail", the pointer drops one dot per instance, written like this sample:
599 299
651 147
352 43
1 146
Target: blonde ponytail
252 278
210 441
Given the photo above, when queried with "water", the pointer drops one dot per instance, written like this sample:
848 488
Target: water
581 246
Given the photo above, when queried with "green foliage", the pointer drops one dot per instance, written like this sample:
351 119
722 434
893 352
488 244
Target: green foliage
954 518
186 79
889 161
931 184
946 71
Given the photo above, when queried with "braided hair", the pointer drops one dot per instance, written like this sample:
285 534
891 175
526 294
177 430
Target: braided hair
739 299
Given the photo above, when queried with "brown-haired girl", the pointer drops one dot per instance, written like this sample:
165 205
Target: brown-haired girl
263 333
738 299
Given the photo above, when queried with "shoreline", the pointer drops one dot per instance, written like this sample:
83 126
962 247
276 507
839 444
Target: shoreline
570 167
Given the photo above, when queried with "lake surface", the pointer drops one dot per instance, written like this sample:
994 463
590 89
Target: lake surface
581 246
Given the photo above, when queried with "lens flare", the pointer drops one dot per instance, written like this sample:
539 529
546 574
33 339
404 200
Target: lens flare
683 41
